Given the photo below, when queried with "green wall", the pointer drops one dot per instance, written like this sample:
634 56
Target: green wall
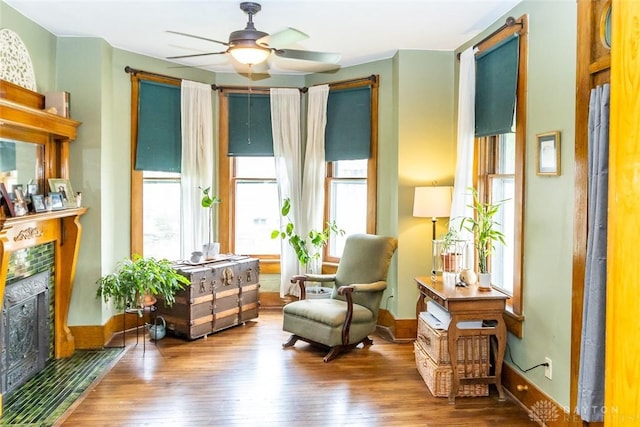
548 224
418 96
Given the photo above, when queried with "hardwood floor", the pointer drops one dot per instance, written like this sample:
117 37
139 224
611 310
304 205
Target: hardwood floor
243 377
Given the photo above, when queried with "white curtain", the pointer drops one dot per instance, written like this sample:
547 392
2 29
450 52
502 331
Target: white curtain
285 124
197 164
464 161
314 164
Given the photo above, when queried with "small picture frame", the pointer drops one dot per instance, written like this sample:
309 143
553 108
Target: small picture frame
63 187
57 202
19 201
32 189
6 200
37 200
548 153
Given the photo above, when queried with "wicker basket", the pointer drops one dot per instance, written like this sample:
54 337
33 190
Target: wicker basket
435 343
438 377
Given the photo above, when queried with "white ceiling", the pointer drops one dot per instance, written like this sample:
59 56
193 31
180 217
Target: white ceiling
361 31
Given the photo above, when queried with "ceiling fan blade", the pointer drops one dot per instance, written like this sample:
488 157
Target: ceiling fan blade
195 55
286 37
307 55
197 37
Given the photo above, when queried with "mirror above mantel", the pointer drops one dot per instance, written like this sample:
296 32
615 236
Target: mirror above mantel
34 143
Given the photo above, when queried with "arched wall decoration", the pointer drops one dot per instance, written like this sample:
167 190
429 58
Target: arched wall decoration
15 62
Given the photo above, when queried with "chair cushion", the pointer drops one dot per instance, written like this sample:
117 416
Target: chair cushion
330 312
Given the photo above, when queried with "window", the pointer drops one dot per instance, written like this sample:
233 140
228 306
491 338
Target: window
346 201
500 167
161 220
256 210
155 175
251 210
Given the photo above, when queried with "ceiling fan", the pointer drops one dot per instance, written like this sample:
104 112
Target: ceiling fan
250 46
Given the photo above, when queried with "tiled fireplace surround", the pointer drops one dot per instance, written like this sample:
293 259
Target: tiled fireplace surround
44 242
31 348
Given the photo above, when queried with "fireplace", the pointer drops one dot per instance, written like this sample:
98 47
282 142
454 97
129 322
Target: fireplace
24 331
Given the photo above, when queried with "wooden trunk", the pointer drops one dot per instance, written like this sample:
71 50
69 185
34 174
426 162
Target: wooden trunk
222 294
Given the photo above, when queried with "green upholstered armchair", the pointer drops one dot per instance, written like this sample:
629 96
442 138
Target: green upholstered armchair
350 315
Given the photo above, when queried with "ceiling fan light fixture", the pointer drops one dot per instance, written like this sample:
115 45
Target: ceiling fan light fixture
249 55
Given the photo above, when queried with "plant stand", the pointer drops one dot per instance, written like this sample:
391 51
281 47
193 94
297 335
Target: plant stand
136 312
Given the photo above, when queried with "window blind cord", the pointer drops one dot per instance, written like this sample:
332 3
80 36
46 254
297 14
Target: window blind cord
249 107
508 352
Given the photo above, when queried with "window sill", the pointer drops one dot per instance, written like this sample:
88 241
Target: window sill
513 321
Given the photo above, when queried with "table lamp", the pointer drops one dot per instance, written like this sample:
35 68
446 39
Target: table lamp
433 202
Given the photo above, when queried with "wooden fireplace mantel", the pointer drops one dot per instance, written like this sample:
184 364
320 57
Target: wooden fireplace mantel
24 119
64 229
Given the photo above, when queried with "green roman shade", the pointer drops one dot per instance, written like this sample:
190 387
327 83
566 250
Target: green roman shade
348 130
7 156
159 146
250 131
496 84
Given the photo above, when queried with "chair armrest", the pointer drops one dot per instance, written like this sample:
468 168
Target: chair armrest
321 277
347 291
378 286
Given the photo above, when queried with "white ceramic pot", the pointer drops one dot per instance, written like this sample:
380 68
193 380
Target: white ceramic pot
211 250
484 281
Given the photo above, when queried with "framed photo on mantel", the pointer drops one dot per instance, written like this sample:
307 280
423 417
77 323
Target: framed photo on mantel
63 186
6 201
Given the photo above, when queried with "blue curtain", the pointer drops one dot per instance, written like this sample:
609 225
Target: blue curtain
592 350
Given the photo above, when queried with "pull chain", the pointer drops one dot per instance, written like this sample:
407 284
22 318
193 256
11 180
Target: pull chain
249 108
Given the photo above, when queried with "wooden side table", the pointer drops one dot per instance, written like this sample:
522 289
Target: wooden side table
468 304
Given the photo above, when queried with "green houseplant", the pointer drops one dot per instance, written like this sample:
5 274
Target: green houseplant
137 278
209 201
307 248
451 251
482 226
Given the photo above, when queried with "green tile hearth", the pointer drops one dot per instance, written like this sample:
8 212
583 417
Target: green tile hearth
45 397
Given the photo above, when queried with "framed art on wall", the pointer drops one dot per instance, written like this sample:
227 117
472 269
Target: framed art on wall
548 153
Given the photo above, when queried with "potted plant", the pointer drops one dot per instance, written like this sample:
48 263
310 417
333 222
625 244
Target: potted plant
452 251
307 248
482 226
208 201
136 281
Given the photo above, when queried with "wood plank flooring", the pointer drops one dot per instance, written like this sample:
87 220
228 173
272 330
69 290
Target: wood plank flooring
243 377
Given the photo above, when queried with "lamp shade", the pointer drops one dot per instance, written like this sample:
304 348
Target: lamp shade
432 202
250 55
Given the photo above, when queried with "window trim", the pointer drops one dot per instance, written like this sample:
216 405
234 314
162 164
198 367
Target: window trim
514 310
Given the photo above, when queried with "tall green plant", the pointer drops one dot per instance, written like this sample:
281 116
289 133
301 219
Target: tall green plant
209 201
307 248
482 227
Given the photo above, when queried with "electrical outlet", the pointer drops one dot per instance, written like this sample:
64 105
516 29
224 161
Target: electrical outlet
547 369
